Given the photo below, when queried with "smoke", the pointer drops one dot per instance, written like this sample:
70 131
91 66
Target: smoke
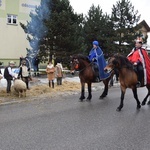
36 28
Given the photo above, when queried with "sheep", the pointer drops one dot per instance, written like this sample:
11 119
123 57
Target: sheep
20 87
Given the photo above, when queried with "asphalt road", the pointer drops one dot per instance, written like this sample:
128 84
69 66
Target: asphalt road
63 123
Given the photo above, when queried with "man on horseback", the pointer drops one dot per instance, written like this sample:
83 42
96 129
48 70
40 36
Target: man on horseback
141 61
97 57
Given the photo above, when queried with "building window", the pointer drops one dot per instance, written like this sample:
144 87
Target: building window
12 19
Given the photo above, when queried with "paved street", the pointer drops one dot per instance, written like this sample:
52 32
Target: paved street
63 123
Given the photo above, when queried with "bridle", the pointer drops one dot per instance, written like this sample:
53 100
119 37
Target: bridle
76 66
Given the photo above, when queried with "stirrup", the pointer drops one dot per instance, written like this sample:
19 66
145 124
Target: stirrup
138 84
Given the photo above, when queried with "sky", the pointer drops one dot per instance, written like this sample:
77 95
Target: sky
83 6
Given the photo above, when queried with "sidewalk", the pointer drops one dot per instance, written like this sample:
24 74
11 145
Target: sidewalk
40 84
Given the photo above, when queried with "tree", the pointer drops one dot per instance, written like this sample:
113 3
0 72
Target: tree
64 29
125 21
98 26
54 29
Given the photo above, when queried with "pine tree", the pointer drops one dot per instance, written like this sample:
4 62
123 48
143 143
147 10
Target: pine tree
125 21
65 29
98 26
54 30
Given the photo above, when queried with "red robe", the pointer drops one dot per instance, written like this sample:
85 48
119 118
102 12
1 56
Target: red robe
142 56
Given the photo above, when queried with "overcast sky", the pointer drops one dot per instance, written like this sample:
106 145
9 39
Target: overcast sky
83 6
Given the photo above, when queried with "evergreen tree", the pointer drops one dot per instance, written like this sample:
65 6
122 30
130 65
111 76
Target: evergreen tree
98 26
65 29
54 29
125 21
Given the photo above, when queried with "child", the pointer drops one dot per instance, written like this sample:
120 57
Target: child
50 70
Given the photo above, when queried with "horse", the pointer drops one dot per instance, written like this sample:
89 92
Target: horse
127 77
82 64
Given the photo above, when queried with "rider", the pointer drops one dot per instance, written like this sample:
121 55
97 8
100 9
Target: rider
96 55
141 61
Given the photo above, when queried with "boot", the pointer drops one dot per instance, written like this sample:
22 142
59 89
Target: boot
27 84
52 84
49 83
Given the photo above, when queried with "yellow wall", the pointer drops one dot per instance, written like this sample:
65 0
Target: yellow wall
13 42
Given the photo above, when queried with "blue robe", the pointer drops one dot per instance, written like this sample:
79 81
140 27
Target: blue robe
97 56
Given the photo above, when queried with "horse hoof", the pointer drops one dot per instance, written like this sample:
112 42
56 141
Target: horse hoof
80 100
143 103
138 107
118 109
102 96
88 99
148 103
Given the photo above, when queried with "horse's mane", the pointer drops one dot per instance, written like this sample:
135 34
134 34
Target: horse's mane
124 61
83 57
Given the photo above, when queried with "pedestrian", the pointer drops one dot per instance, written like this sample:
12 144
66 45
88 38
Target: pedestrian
1 76
116 74
59 73
97 57
36 62
141 61
8 75
50 70
24 73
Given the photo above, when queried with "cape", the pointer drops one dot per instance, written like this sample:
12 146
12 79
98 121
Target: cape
142 56
98 55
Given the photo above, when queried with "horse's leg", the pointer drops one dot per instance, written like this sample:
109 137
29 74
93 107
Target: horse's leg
82 97
134 90
148 102
89 91
123 90
104 94
145 99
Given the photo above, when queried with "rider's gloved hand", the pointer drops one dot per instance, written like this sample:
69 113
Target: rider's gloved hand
93 59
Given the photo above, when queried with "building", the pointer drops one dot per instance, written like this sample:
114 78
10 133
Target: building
144 28
13 42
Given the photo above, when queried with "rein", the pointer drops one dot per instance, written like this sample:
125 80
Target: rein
85 67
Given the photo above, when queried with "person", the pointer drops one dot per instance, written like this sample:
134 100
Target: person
36 62
96 55
8 75
59 73
141 61
50 70
116 73
1 76
24 73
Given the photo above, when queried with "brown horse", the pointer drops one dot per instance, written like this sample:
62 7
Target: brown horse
86 74
127 77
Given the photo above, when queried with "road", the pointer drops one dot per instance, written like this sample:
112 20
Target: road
64 123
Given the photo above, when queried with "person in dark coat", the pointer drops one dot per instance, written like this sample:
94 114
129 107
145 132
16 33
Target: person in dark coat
36 62
8 75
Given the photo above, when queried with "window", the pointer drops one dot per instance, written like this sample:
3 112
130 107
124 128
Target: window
12 19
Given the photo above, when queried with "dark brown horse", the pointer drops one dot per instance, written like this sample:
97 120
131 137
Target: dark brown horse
127 77
86 74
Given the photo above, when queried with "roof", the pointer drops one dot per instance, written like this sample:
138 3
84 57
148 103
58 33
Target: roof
143 23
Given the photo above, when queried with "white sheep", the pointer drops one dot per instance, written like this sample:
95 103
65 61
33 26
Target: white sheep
20 87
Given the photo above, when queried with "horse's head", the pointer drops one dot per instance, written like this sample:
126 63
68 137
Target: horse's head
117 62
74 63
78 62
113 63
